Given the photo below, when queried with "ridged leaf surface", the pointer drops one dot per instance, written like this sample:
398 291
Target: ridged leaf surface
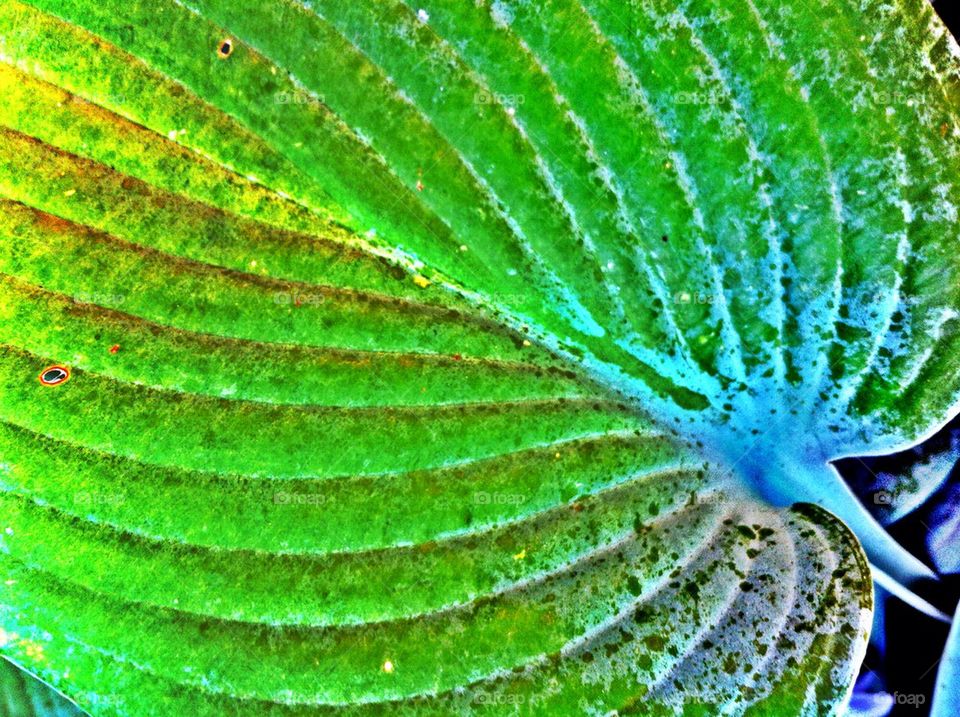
456 357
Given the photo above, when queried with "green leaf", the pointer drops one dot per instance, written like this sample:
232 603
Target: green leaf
22 695
464 358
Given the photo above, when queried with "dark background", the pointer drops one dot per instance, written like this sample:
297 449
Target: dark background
950 12
914 642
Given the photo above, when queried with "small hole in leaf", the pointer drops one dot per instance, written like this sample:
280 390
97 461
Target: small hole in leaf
225 49
54 375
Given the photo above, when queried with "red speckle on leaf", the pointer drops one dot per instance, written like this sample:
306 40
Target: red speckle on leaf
114 348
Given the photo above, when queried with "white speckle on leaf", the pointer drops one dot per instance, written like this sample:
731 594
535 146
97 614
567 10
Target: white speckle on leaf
501 14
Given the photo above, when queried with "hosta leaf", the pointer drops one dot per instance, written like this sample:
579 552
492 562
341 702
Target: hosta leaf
940 518
464 358
946 700
896 485
869 699
943 541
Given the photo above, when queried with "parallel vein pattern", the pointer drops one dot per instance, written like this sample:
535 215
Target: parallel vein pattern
420 352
